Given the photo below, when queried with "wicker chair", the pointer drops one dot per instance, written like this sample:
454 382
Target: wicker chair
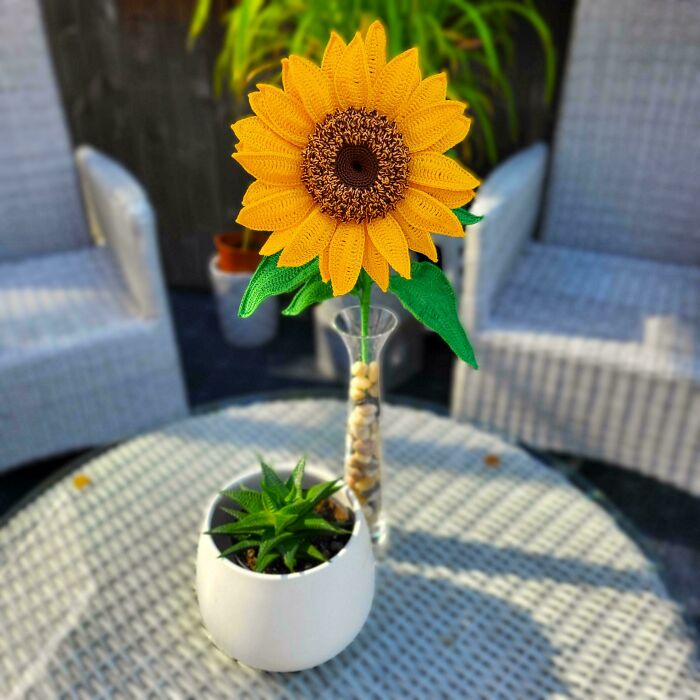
87 353
589 338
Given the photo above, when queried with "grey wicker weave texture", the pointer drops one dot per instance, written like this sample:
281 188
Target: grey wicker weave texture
39 195
87 351
589 339
501 583
625 169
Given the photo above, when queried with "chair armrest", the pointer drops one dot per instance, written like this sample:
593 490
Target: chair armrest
122 218
509 200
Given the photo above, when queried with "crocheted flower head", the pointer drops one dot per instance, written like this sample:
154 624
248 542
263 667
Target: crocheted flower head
349 165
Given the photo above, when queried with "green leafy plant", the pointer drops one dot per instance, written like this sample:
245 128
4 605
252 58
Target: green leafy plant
428 295
280 520
470 39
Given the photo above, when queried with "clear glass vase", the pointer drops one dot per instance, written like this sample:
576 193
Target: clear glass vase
363 450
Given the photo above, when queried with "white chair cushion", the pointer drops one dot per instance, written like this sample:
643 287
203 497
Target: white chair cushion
40 200
625 310
61 298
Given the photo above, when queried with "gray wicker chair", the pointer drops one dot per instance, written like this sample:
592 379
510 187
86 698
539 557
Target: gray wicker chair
589 339
87 353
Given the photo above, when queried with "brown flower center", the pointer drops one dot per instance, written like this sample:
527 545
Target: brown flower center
355 165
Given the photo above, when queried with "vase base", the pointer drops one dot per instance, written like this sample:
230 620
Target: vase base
380 539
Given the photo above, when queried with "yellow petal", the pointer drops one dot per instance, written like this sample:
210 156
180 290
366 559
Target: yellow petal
253 135
434 170
259 190
276 212
313 87
396 81
345 257
352 84
331 56
375 45
425 212
388 238
277 240
375 264
427 126
282 113
323 264
311 236
454 135
285 79
429 92
450 198
272 168
417 239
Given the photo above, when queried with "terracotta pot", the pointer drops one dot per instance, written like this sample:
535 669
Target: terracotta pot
232 258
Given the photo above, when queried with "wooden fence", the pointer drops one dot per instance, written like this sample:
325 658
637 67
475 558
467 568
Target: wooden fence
131 88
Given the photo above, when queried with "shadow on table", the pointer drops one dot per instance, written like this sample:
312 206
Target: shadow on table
430 638
458 555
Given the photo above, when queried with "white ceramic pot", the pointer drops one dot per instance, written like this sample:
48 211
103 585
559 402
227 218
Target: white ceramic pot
253 331
285 622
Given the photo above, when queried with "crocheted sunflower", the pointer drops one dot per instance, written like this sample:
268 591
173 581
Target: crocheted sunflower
349 165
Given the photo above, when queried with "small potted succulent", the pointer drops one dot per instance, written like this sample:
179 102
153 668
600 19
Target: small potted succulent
237 257
285 569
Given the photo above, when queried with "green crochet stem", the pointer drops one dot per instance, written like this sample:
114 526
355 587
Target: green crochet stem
364 315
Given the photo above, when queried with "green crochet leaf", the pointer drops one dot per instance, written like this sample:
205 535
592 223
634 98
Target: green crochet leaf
269 280
429 296
315 290
466 218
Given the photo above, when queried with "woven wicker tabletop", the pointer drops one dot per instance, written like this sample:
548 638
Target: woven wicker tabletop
502 582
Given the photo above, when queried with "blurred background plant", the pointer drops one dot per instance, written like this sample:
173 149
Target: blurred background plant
472 40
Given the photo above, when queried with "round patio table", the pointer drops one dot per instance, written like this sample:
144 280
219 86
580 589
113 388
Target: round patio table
502 581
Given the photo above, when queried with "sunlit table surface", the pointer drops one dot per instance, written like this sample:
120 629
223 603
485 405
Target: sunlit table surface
502 580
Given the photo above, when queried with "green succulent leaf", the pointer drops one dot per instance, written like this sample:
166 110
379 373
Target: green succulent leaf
289 553
243 544
293 485
263 562
466 217
314 291
319 492
268 545
249 523
231 511
273 488
429 296
283 524
268 503
250 501
297 508
317 524
269 280
283 521
310 551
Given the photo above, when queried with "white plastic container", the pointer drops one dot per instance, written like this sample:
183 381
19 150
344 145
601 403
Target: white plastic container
250 332
286 622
